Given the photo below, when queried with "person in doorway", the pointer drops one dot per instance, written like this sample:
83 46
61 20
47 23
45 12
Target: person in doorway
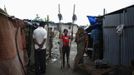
51 36
65 38
95 34
39 38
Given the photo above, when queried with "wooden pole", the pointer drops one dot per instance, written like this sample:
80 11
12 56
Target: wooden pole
73 19
59 8
60 41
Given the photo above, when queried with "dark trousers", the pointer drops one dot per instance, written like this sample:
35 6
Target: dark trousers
97 52
40 61
65 51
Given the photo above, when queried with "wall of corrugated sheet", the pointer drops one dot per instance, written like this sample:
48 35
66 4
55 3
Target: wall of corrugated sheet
119 49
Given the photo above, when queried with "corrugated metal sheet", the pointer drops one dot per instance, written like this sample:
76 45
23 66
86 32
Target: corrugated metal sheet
127 39
129 16
127 46
119 49
112 20
111 46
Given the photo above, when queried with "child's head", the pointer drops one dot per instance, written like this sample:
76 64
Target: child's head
65 31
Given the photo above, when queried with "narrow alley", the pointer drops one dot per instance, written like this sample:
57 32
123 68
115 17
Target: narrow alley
54 65
66 37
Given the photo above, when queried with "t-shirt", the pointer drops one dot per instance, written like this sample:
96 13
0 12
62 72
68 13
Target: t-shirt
40 34
65 40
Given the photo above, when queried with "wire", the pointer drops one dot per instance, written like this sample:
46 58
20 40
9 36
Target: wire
17 50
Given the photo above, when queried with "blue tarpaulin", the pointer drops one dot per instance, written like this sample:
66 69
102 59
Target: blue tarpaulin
92 20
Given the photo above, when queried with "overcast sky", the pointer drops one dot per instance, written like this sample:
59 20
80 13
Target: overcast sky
27 9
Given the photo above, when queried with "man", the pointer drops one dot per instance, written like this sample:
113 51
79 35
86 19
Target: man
51 36
95 34
39 37
65 38
82 44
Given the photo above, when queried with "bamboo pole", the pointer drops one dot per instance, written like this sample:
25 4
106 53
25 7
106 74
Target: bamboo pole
60 41
73 20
